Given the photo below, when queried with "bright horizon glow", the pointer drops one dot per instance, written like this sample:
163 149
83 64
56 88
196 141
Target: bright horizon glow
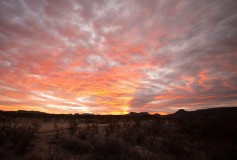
116 57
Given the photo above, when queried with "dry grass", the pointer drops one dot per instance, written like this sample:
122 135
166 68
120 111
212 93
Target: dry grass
115 139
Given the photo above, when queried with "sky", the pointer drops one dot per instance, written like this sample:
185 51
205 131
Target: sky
117 56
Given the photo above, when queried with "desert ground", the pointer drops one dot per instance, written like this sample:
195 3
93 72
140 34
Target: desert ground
94 137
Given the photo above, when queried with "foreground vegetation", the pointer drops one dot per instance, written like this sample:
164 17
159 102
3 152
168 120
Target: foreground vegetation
118 138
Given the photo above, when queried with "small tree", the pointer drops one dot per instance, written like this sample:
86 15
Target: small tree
72 126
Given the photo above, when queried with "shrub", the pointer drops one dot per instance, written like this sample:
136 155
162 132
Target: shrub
82 133
57 132
110 148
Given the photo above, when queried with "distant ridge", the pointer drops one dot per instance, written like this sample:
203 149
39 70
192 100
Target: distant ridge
224 112
138 114
30 112
211 112
23 112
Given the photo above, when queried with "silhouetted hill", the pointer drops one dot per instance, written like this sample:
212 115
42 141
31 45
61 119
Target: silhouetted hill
30 112
138 114
230 112
181 112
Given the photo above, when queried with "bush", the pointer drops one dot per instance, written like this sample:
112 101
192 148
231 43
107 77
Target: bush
17 135
75 145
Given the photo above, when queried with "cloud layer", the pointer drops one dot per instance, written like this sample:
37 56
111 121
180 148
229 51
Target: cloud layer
113 57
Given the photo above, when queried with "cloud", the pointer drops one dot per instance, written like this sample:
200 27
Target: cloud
122 56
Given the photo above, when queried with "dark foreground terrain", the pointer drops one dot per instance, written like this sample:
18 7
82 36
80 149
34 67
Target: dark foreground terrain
200 135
